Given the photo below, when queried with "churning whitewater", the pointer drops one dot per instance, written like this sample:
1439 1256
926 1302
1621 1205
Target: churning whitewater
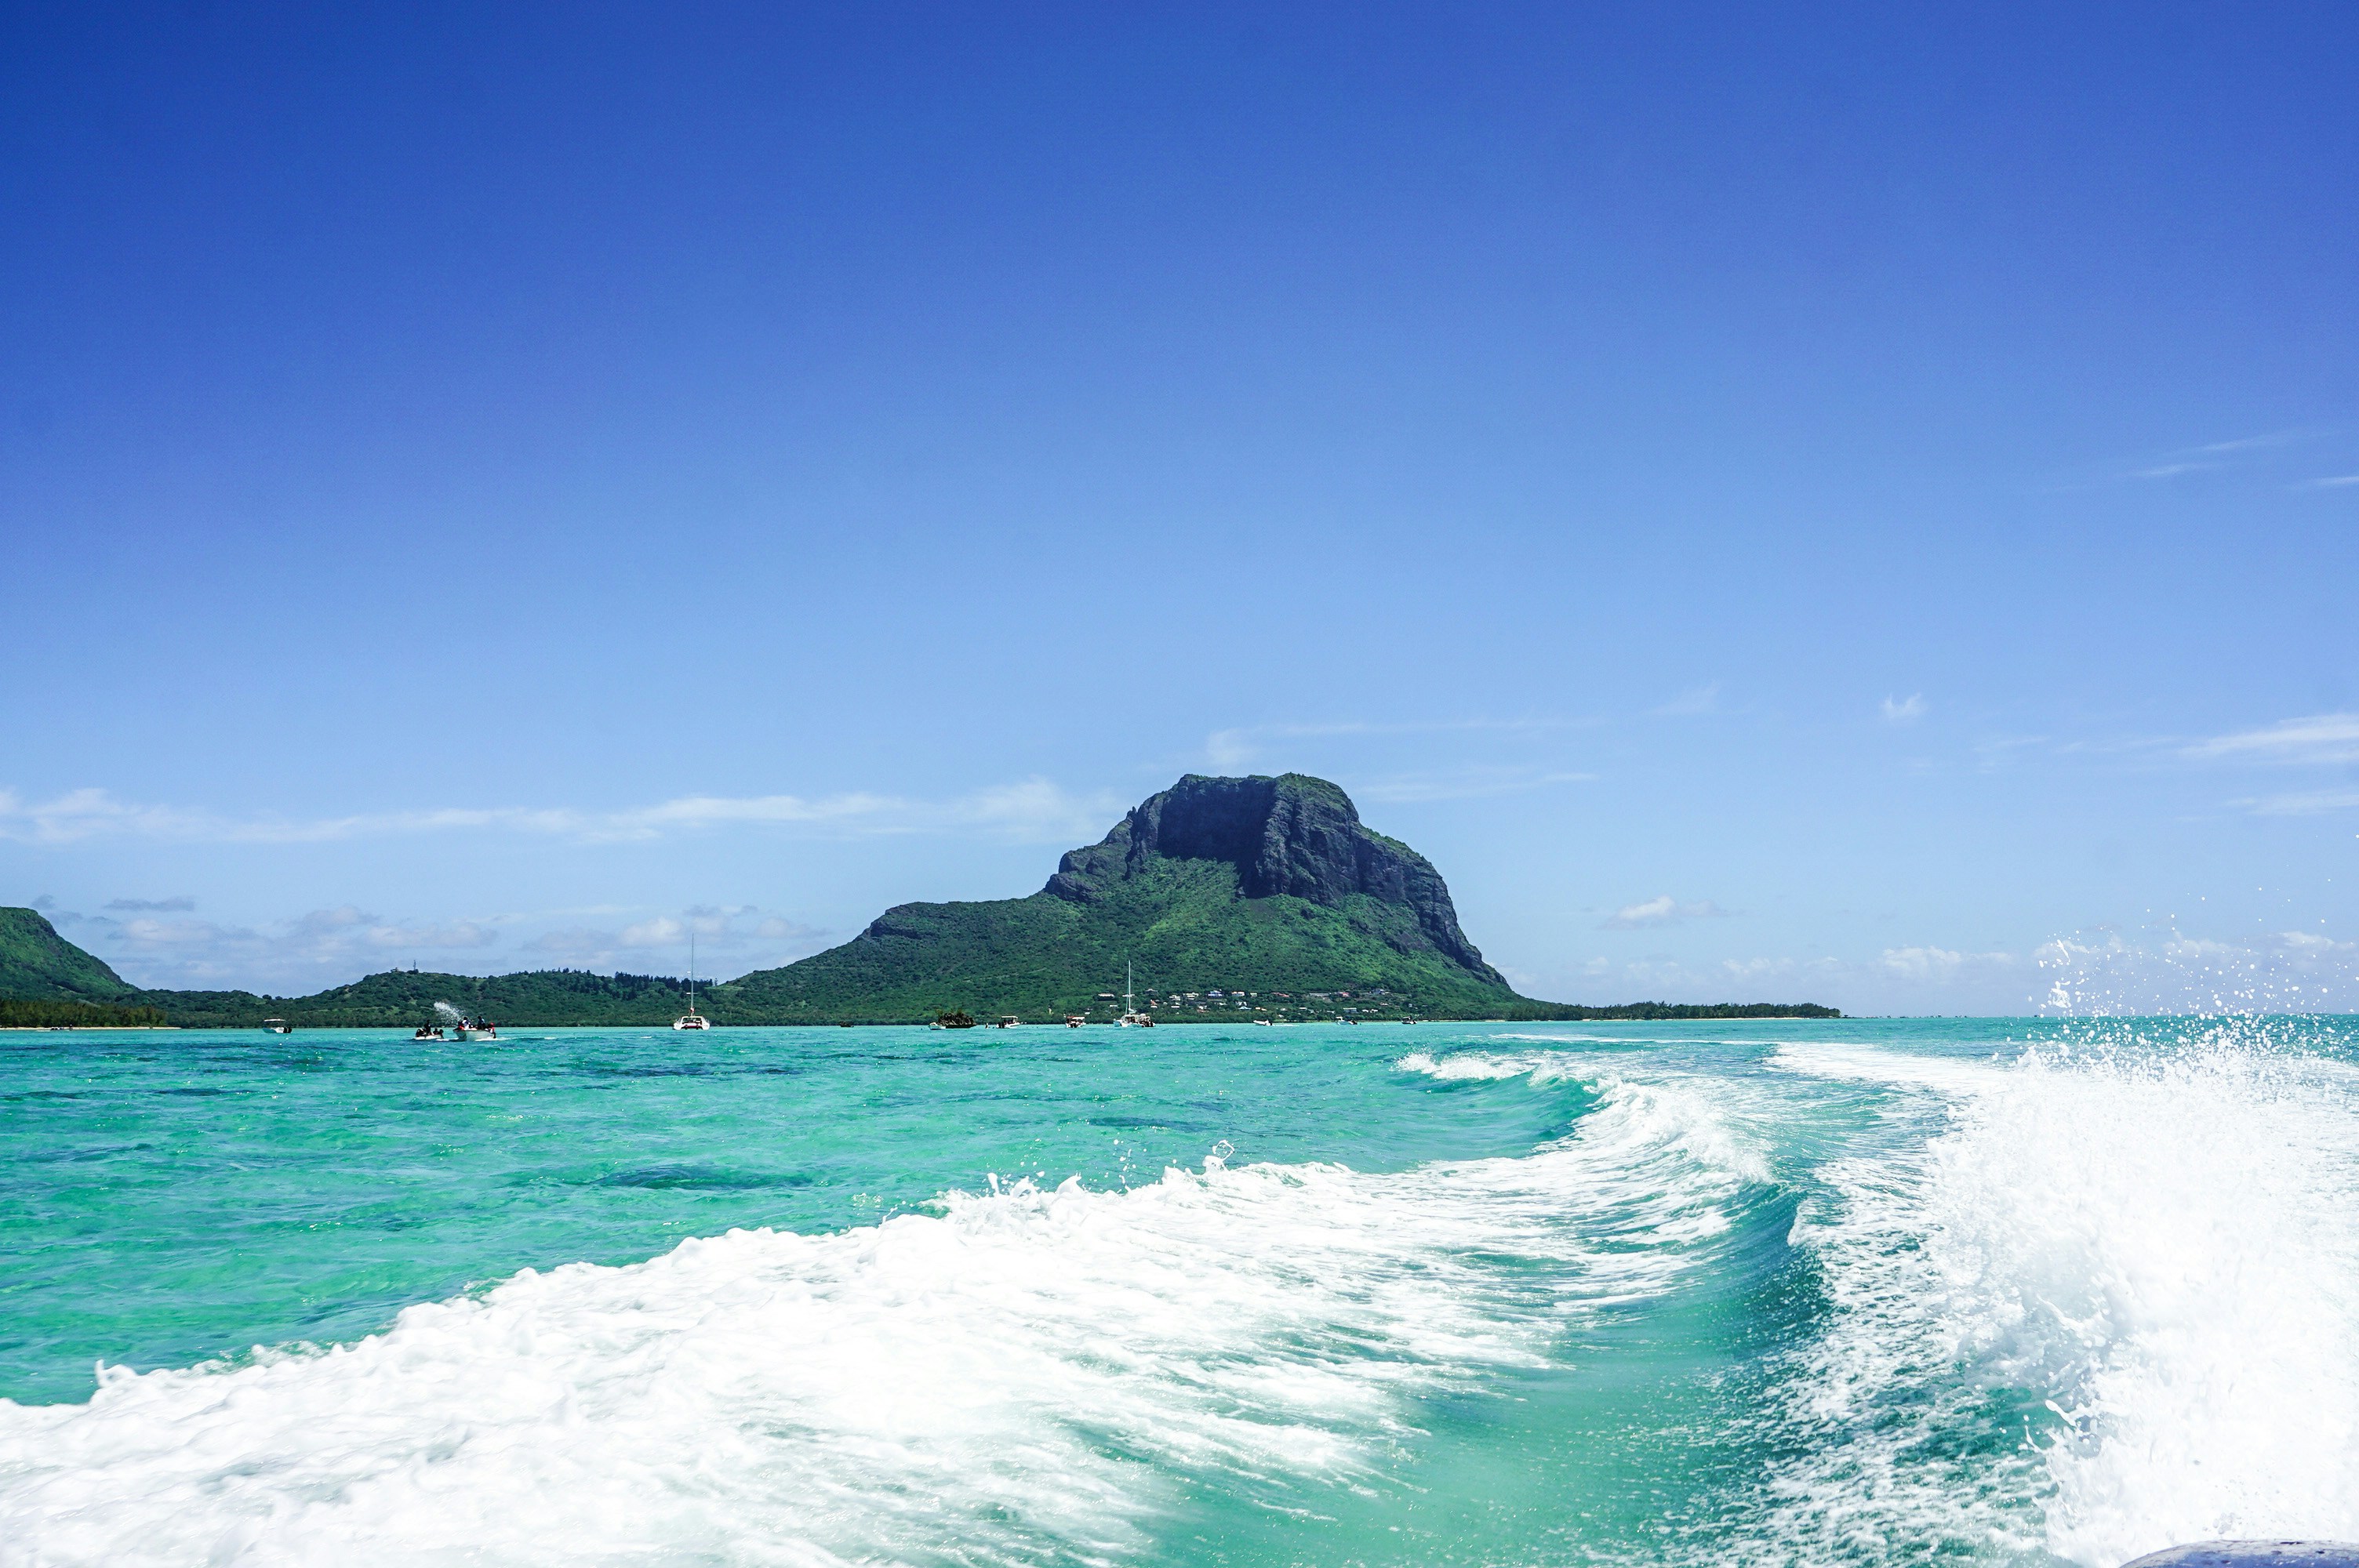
1774 1293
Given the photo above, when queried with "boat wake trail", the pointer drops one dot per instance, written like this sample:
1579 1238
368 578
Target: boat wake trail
2105 1299
1029 1374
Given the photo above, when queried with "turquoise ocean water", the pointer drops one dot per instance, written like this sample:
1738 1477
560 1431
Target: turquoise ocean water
1782 1293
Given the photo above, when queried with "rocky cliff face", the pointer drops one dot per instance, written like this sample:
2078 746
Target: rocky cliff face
1291 835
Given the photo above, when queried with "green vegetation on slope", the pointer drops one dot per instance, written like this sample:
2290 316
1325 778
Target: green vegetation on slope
16 1014
39 964
1181 924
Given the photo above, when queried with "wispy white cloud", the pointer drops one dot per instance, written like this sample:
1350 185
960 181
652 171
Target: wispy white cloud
742 936
1999 751
1032 809
2254 443
152 905
2322 738
432 937
1904 710
1226 749
2089 974
330 946
2332 481
1660 909
2308 803
2217 454
1930 964
1243 745
1693 702
1463 783
1726 980
317 947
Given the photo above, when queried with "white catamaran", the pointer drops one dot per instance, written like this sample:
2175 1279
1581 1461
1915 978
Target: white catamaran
692 1018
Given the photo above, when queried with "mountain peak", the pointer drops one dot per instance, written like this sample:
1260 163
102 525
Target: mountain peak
1289 835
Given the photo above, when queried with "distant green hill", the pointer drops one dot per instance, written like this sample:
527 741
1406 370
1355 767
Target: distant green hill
39 964
43 977
1226 897
406 998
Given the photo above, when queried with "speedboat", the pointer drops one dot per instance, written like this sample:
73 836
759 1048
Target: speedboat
278 1026
428 1032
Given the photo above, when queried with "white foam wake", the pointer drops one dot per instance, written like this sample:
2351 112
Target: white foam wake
1495 1066
1021 1378
2159 1245
1707 1119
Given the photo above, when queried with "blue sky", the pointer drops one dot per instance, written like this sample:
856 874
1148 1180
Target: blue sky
1856 503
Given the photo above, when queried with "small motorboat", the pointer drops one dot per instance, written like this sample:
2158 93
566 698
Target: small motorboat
428 1032
474 1029
1075 1019
278 1026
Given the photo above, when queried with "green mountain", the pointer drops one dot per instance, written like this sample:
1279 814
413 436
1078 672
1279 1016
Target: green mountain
1268 886
1225 897
39 964
1256 885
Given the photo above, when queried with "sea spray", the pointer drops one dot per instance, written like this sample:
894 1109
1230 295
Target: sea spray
2135 1249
